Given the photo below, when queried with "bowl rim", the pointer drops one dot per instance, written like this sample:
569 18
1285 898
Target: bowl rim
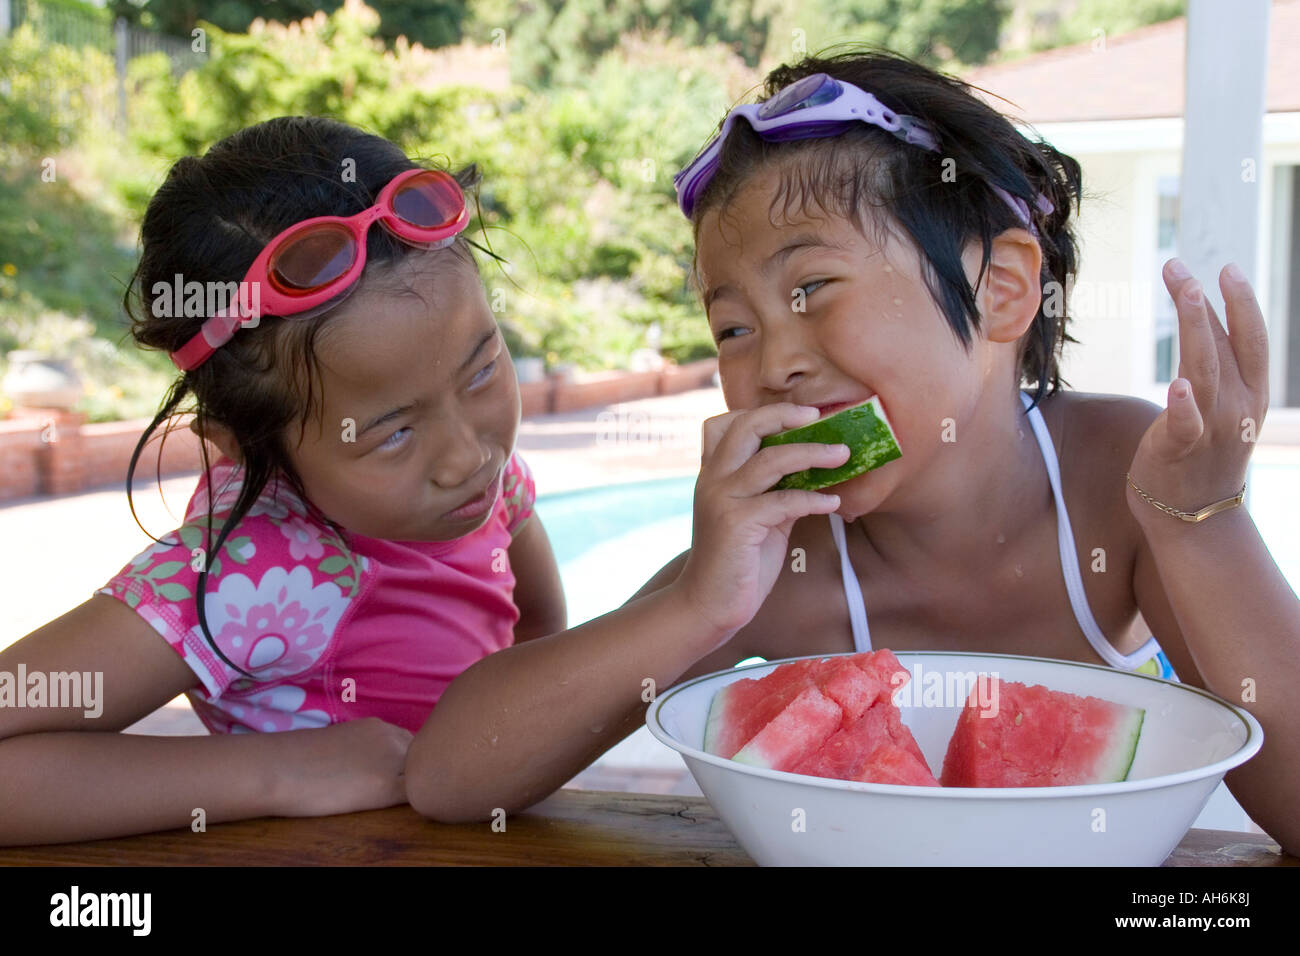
1253 742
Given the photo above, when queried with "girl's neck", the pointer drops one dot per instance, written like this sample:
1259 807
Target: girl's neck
986 490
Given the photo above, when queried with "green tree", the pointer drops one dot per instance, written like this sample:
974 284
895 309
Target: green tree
556 42
1113 16
431 23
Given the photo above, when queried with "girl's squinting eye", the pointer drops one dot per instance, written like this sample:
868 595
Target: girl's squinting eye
808 288
396 440
483 374
730 333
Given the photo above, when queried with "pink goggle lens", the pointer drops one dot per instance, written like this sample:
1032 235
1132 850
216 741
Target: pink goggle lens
316 259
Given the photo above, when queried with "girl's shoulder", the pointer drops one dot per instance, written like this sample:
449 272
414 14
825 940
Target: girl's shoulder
281 570
1096 437
1097 434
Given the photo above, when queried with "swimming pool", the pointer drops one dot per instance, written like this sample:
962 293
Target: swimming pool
611 540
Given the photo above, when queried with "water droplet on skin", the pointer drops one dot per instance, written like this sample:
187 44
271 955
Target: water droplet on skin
597 728
494 741
1002 538
898 301
1020 572
889 268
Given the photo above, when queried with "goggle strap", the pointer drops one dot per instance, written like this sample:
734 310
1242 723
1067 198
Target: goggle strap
215 332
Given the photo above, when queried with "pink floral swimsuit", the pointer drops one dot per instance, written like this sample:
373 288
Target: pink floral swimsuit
332 625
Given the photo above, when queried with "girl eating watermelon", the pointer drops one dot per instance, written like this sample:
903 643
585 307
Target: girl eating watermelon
871 230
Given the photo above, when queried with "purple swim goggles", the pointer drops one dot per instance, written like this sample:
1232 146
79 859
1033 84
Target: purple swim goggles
813 107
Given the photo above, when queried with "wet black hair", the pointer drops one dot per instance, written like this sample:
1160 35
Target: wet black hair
207 222
869 168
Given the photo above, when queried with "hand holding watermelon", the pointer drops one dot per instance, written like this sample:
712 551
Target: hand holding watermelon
1197 451
741 528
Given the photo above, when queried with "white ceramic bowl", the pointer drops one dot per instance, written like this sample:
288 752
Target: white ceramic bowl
1190 739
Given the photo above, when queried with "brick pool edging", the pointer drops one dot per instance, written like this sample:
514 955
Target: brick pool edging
55 452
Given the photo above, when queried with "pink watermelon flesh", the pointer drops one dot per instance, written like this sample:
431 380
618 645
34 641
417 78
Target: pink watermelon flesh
803 725
896 765
876 748
1041 738
744 707
884 666
853 688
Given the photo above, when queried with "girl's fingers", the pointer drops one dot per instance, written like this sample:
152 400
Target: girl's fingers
736 439
778 507
712 431
1198 352
1183 421
1247 330
770 465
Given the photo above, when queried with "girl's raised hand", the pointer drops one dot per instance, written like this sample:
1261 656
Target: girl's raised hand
741 528
1197 451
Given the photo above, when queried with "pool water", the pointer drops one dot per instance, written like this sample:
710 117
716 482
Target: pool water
609 541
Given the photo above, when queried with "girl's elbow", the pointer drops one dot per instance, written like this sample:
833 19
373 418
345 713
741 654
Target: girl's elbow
1288 840
440 805
432 794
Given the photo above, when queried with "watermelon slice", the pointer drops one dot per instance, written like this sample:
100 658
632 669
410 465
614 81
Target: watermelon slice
849 685
1041 738
875 748
743 708
803 725
864 428
884 666
830 718
896 765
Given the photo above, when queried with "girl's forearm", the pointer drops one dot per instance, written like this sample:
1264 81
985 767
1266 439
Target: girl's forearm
521 723
1241 622
72 786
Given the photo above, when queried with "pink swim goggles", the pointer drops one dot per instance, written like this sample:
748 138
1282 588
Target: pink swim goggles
315 264
814 107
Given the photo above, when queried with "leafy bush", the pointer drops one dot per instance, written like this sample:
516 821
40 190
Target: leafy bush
577 181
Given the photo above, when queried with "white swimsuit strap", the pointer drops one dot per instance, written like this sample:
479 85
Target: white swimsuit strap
1070 558
852 590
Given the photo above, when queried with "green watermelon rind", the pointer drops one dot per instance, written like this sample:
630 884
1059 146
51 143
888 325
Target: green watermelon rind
713 724
864 428
1124 750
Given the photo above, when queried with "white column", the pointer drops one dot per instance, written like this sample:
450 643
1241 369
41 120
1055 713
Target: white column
1219 191
1227 74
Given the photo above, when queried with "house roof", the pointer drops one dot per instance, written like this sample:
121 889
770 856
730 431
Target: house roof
1138 75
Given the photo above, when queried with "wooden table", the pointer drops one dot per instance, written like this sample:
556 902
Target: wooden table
571 828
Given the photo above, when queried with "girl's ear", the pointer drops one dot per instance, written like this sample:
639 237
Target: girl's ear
1012 289
219 435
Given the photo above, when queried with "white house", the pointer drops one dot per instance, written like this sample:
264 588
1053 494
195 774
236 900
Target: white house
1116 103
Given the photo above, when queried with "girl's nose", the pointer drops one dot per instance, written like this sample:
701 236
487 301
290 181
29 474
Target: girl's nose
785 355
459 456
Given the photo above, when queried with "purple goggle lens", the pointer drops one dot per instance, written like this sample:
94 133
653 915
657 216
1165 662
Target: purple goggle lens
811 91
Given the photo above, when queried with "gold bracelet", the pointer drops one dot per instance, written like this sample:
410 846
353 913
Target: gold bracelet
1201 515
